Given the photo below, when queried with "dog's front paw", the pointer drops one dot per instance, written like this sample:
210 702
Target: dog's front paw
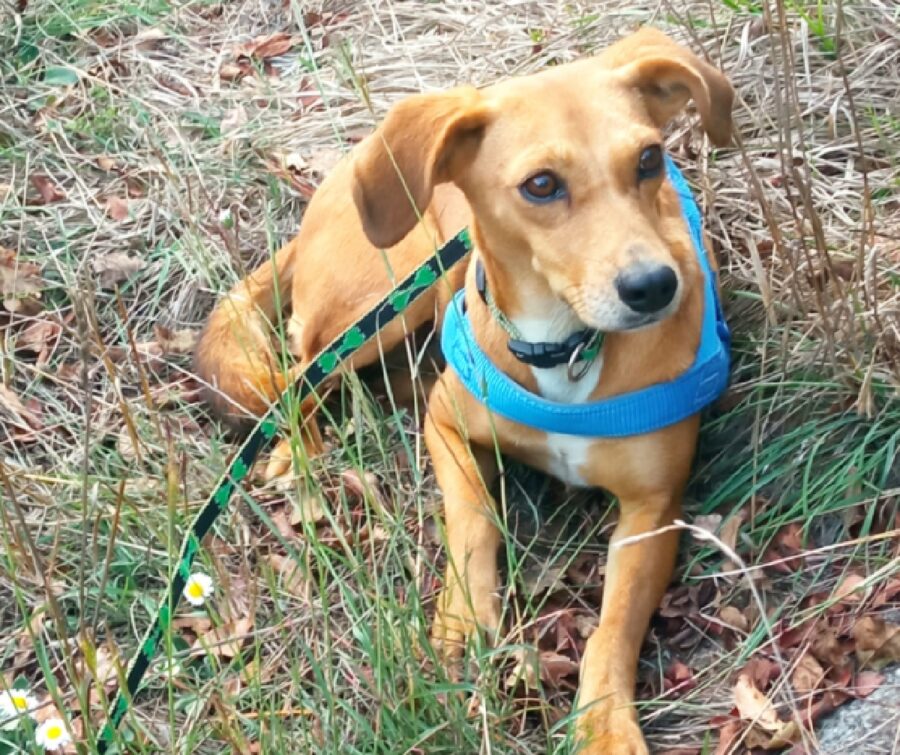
607 730
458 619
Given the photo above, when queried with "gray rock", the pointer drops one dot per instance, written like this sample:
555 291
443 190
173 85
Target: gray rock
865 727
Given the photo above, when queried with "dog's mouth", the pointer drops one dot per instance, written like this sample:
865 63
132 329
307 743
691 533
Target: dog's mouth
611 316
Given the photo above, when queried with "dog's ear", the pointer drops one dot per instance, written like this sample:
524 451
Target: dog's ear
667 75
423 141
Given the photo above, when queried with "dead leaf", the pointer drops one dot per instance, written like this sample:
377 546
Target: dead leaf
117 208
539 578
231 71
47 188
734 617
524 671
149 39
106 163
555 667
753 705
309 507
679 678
116 267
225 641
20 284
827 648
708 522
292 578
266 46
180 341
195 622
27 419
787 734
866 683
728 534
877 642
807 674
848 590
41 337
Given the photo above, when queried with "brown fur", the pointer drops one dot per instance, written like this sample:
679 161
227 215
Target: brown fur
462 154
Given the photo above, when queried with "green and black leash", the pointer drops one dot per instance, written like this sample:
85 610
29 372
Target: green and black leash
262 436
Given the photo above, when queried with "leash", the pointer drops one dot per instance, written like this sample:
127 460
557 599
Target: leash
262 436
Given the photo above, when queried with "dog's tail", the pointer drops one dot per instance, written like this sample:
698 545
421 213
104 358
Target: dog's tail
234 356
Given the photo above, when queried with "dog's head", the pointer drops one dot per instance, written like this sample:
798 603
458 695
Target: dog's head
563 171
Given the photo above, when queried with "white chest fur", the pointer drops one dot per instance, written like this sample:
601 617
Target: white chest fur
566 455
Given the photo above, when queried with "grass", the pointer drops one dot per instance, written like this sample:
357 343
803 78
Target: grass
109 451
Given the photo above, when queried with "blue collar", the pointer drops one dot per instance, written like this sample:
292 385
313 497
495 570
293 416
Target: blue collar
635 413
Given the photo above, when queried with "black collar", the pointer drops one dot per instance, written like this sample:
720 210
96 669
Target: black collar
543 354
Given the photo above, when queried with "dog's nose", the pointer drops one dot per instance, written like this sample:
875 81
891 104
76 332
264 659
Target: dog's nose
647 288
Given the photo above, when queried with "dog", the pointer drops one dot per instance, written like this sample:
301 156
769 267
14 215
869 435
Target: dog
561 178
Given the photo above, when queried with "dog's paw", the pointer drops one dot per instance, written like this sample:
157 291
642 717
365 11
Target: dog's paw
280 462
605 730
457 620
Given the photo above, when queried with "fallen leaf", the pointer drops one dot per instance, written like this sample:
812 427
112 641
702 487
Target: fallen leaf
117 208
266 46
41 337
877 642
292 578
47 188
728 534
225 641
753 705
787 734
679 677
734 617
26 417
172 341
866 683
708 522
539 578
308 507
20 284
149 39
790 538
729 734
116 267
827 648
106 163
807 674
525 670
848 590
231 71
555 667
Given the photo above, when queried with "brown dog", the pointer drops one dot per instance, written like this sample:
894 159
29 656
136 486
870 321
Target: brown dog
558 177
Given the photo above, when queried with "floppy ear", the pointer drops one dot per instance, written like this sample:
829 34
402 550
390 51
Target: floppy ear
423 141
667 75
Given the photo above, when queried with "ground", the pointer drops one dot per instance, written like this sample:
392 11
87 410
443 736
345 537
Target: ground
153 151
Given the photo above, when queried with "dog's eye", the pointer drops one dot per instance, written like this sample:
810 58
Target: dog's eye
650 162
543 187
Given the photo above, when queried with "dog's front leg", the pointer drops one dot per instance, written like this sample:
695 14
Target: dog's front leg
636 577
469 598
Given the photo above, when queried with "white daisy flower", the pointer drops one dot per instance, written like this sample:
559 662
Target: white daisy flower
198 588
13 704
52 734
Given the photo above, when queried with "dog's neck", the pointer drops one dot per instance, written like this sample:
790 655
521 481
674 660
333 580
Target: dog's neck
526 299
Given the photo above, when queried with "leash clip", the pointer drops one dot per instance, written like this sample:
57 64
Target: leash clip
577 367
